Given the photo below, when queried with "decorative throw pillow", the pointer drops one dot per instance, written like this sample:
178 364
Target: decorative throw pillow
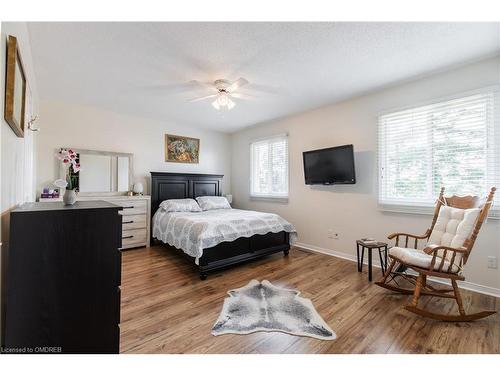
213 203
180 205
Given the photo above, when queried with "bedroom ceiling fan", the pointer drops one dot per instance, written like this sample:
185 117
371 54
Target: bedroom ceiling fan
223 93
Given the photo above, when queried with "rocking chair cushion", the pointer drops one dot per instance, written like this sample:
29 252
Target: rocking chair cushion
418 258
453 226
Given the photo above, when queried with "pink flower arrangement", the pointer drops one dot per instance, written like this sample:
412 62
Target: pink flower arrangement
69 158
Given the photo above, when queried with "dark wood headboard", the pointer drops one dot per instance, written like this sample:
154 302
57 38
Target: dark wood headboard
165 185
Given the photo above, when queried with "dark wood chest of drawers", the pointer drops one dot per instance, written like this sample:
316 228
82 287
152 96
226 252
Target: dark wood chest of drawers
63 278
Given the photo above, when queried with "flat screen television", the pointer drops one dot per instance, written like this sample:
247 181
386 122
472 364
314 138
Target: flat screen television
329 166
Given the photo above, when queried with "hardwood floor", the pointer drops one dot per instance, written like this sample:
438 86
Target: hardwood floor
166 308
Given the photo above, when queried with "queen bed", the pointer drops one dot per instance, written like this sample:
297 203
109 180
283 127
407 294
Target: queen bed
215 238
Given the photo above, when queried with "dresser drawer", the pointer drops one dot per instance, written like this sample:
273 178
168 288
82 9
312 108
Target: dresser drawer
119 268
134 221
118 304
132 207
134 236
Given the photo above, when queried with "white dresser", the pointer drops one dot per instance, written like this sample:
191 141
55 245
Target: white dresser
136 223
136 216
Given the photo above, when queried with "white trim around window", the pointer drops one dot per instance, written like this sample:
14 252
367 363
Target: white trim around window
269 172
452 142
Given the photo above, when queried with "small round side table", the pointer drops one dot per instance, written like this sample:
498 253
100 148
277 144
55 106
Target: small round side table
380 246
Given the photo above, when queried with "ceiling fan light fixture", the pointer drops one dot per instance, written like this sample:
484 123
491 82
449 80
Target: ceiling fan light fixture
216 104
224 93
223 101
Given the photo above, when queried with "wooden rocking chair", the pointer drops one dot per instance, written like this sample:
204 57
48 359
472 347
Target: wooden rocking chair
454 229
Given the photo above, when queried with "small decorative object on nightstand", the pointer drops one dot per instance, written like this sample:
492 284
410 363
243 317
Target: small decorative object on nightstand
370 244
138 188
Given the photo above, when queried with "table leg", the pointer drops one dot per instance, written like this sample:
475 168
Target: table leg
370 264
382 265
357 253
362 259
386 250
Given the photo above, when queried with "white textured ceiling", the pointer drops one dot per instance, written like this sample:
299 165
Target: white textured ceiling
135 68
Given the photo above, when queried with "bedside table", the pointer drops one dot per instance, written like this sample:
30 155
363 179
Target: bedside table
380 246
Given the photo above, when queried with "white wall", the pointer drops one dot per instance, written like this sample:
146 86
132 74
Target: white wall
15 183
12 147
351 210
69 125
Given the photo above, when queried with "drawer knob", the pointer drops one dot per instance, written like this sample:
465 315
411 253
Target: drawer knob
128 222
124 238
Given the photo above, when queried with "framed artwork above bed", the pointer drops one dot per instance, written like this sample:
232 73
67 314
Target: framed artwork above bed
179 149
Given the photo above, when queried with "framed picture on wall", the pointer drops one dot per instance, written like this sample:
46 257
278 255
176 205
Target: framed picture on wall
15 88
180 149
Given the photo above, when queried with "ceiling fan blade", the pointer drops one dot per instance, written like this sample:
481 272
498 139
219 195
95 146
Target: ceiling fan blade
237 84
239 95
203 98
204 85
175 88
265 89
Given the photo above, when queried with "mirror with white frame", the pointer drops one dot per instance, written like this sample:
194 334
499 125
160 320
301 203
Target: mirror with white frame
103 172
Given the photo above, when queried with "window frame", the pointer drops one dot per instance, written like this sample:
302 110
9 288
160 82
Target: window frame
428 208
266 196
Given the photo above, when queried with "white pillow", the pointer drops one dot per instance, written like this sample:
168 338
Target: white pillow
180 205
213 203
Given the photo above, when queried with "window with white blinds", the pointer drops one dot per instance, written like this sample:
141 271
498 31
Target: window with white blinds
453 143
269 167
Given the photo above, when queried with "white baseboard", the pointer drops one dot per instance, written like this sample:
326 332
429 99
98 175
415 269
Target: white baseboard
483 289
463 284
337 254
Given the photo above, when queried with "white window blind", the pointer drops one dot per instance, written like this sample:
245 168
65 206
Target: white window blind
269 167
453 143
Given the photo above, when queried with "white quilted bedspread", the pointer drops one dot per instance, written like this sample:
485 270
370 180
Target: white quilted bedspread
194 231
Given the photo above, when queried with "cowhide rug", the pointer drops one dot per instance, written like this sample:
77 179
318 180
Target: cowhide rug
261 306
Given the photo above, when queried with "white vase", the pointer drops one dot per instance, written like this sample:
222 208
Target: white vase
69 197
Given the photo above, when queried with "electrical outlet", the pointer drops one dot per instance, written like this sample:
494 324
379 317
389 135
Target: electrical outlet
492 262
333 234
